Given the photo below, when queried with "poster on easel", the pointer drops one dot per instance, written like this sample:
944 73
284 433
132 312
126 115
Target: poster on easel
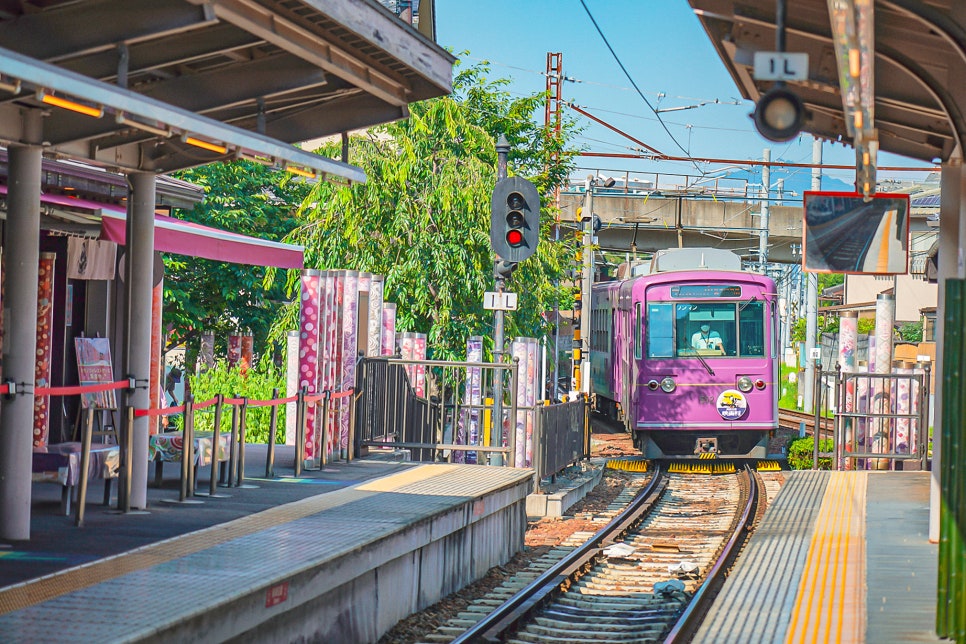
94 368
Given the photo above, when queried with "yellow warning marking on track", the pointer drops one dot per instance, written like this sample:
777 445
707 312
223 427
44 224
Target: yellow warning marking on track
882 260
627 465
830 604
768 466
695 467
707 456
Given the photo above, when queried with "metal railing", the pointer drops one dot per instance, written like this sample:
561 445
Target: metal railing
879 418
453 420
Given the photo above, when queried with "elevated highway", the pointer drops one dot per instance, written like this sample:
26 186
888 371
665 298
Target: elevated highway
655 221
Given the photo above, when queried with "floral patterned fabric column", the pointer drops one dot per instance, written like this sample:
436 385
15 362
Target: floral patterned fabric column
885 315
234 350
473 397
246 353
533 351
350 348
309 353
518 349
848 339
388 329
291 383
45 323
329 353
419 353
206 354
376 286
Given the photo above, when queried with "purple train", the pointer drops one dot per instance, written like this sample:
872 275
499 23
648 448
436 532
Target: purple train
686 355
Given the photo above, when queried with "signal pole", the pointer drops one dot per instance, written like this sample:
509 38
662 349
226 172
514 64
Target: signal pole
496 434
582 383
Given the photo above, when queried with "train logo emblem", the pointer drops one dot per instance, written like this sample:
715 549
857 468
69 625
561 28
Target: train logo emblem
731 404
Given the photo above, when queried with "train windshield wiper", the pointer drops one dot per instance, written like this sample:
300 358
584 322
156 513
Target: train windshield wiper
693 352
744 305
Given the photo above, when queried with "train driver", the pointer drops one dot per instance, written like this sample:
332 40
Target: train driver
705 338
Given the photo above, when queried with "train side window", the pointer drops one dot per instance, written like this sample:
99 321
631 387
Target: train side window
660 330
638 324
751 330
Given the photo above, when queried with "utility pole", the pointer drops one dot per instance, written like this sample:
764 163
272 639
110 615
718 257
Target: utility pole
582 343
765 205
811 297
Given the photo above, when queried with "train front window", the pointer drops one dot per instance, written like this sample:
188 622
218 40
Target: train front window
702 328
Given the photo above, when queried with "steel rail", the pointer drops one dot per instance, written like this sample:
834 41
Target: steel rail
692 616
492 627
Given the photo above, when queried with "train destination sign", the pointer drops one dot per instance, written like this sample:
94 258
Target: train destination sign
705 290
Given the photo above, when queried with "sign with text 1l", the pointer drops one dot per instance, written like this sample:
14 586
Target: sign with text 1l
500 301
780 66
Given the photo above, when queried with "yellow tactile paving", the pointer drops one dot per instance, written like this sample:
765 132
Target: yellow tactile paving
830 603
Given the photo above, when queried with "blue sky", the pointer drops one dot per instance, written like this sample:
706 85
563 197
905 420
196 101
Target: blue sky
670 59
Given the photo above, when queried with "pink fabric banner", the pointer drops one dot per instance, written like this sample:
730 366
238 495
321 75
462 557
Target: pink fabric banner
533 351
309 354
518 349
234 350
419 353
328 366
45 323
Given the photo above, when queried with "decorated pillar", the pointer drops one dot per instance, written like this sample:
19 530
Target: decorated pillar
534 383
885 315
234 350
518 350
350 349
848 339
309 353
473 396
419 353
45 323
388 329
206 354
376 292
246 353
291 383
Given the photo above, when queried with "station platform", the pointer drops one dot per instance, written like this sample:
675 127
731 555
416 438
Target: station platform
838 557
339 554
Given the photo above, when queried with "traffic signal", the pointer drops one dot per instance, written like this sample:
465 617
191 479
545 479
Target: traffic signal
515 219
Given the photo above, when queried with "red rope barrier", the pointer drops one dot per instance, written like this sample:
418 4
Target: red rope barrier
159 411
314 398
343 394
81 389
207 403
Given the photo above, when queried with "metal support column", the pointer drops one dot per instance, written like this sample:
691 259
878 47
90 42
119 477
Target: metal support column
811 296
496 434
139 278
22 248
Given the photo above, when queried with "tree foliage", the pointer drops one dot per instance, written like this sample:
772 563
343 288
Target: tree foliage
203 295
422 217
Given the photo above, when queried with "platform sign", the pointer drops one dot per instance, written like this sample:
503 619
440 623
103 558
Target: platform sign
780 66
500 301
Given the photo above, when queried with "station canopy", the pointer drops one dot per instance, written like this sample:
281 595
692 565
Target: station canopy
162 85
918 66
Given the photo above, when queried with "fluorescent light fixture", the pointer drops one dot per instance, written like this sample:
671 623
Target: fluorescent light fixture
266 161
120 119
204 145
12 86
300 172
67 104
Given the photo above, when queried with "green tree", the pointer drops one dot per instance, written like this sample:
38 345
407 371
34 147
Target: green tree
203 295
422 217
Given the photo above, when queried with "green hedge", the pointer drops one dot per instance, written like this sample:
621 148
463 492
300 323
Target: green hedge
257 384
802 450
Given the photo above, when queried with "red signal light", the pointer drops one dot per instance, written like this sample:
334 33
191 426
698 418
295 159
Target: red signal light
514 237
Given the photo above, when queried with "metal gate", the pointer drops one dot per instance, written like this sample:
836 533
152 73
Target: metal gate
880 419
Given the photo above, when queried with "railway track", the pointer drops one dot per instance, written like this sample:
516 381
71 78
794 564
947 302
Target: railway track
791 419
643 576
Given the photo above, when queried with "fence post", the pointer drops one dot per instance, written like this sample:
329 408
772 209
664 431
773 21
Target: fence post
86 432
242 421
299 430
817 401
272 426
538 448
215 448
924 409
511 459
350 443
188 444
232 448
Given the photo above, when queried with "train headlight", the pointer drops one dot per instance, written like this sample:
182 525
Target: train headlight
653 385
745 384
759 384
667 385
